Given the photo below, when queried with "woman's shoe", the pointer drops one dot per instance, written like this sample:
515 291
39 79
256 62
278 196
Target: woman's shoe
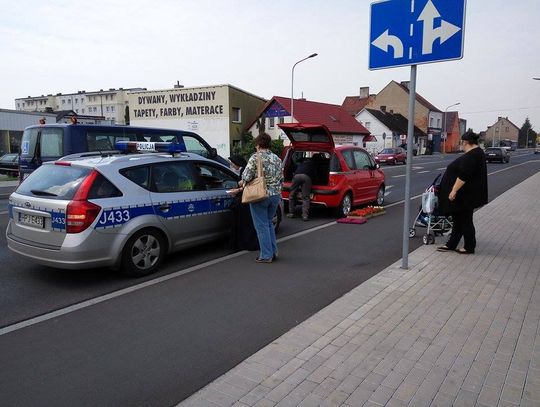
444 249
463 251
259 260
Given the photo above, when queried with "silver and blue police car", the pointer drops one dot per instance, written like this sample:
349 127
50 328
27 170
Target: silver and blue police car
124 211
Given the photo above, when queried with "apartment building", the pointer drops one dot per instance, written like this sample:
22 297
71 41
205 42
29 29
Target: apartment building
112 104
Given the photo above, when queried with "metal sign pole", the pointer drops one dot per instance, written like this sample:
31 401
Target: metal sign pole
410 136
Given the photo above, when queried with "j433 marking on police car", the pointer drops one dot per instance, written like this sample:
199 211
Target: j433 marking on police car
114 217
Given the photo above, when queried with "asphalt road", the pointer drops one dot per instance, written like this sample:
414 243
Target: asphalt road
156 345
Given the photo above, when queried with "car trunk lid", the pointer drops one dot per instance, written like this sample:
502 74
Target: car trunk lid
308 136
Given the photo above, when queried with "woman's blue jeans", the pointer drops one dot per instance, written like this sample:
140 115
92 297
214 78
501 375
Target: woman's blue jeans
262 213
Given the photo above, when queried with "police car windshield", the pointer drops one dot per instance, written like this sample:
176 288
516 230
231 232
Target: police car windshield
54 181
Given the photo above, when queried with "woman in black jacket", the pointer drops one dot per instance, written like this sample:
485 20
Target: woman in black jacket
463 189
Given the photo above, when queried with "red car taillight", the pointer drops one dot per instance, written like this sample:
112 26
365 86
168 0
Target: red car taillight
80 213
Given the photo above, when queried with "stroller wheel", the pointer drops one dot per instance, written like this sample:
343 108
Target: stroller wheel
412 232
428 239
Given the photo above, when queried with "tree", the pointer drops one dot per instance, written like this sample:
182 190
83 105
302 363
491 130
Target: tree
526 133
246 147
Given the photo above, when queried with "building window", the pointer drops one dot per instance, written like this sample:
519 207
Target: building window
82 111
107 108
112 108
271 122
438 123
77 101
367 125
82 100
236 115
431 122
507 129
63 102
95 109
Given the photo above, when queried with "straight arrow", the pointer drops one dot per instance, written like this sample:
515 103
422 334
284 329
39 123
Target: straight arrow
430 34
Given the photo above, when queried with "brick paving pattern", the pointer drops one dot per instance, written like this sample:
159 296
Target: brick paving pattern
453 330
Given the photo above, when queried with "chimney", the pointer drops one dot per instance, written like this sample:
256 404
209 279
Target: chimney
383 109
405 83
364 92
177 85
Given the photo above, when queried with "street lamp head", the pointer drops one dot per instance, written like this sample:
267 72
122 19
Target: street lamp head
536 79
315 54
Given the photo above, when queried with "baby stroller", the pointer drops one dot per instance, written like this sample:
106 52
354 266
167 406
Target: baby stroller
428 216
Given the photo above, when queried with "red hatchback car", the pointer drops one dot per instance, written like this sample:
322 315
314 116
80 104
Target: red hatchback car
345 176
392 156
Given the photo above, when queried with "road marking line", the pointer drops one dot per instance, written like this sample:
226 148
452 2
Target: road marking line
3 212
398 176
127 290
439 169
422 172
103 298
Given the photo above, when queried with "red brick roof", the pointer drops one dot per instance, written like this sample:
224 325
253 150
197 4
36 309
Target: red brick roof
337 119
354 104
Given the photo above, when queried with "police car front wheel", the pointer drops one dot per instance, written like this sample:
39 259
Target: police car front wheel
143 253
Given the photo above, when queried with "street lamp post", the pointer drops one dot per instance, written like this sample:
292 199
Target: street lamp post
292 83
444 126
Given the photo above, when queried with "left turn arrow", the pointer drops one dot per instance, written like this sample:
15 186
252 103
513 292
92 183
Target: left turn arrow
386 40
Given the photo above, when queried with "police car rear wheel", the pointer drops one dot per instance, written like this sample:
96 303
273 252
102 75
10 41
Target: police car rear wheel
143 253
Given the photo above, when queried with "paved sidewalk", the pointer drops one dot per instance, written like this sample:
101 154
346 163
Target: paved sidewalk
453 330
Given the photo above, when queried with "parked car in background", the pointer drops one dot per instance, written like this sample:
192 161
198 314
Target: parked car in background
392 156
9 164
497 154
537 149
345 176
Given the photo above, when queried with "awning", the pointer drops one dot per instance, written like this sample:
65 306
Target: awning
370 137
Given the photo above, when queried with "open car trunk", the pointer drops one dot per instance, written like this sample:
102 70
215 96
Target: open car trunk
308 141
321 163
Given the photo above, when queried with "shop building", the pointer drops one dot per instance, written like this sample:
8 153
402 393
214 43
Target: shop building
218 113
12 125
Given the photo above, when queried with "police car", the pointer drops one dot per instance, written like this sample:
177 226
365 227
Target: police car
120 210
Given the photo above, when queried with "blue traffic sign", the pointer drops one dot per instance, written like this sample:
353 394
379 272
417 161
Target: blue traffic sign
410 32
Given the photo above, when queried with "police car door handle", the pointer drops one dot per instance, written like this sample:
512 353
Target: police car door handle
165 207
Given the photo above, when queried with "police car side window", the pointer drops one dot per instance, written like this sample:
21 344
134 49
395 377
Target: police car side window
173 177
138 175
103 188
215 178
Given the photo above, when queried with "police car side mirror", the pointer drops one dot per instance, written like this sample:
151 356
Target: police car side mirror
213 152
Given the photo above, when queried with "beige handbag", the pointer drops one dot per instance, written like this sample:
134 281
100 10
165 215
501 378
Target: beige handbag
255 190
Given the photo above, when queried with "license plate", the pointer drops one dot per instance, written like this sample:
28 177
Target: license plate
383 161
31 220
492 155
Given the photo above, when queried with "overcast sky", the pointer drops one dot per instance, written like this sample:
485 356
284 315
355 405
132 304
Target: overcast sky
64 46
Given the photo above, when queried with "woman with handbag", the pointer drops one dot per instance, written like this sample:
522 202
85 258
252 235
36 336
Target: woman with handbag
263 167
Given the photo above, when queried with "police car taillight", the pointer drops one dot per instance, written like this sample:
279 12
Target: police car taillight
150 146
80 213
